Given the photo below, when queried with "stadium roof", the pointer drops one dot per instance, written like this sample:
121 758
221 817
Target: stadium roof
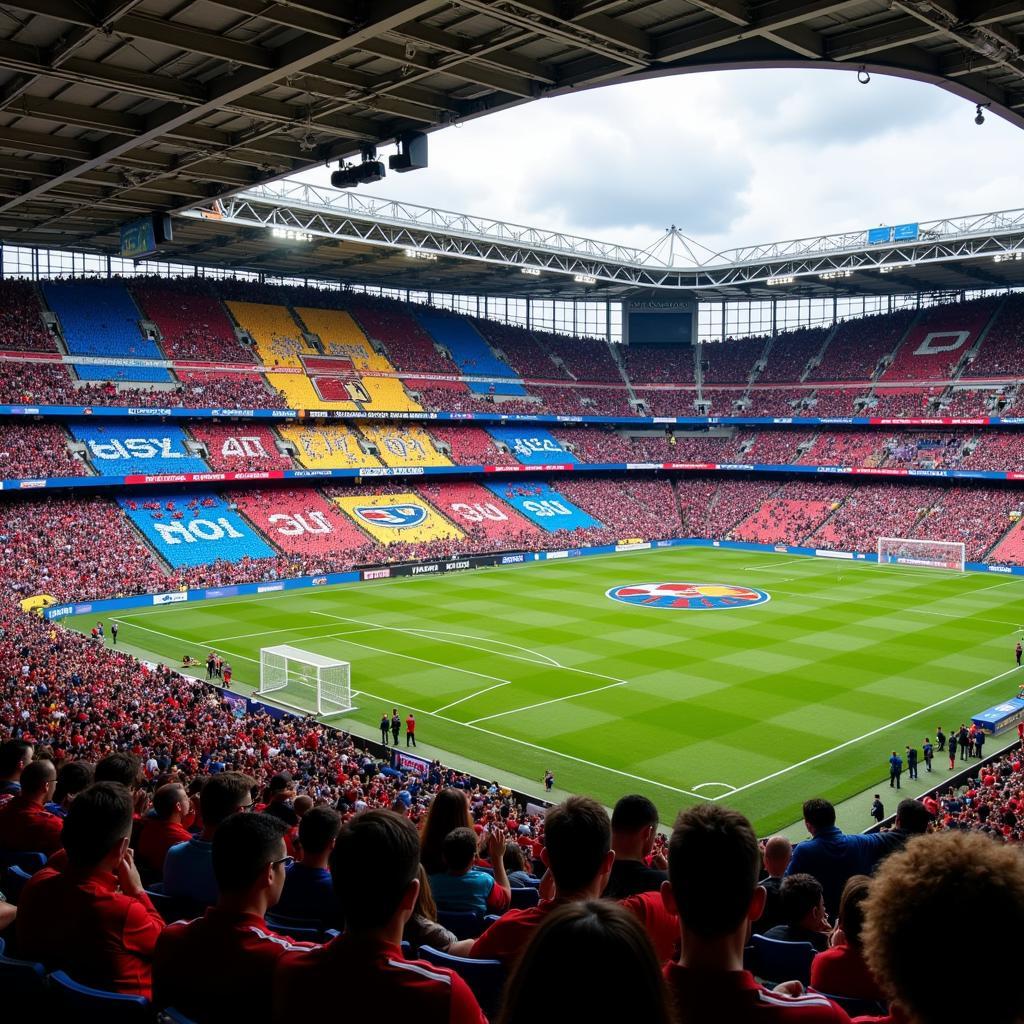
110 109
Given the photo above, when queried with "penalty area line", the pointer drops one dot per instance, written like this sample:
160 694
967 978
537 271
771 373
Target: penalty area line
544 703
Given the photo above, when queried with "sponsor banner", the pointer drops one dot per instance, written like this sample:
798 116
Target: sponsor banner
409 762
376 574
781 549
58 613
392 471
174 597
214 592
632 546
29 485
418 570
512 559
318 581
821 553
548 555
452 566
268 588
146 411
1000 568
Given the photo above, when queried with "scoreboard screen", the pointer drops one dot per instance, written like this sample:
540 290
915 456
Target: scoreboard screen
659 321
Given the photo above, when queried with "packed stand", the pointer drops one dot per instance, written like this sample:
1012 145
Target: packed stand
731 361
837 402
654 364
21 324
792 513
522 350
999 355
779 402
790 353
240 448
857 524
587 359
858 345
471 446
36 450
711 508
904 402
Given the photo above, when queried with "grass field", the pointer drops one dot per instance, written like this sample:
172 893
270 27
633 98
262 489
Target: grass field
530 667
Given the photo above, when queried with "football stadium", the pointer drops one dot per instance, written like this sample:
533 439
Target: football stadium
410 608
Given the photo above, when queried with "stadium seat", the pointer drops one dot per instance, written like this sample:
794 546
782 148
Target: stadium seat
30 863
773 960
80 1002
14 881
172 1016
484 977
299 929
524 897
173 908
21 981
462 923
857 1007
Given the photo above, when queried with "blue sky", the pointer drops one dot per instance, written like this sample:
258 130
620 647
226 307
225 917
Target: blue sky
731 158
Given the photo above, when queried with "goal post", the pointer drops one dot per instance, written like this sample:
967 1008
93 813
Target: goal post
290 668
926 554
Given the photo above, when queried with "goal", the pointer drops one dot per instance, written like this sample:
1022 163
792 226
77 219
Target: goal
928 554
295 670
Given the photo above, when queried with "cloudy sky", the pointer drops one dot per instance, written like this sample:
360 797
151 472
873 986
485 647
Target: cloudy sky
731 158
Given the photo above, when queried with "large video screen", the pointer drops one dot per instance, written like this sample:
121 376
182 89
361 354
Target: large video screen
659 321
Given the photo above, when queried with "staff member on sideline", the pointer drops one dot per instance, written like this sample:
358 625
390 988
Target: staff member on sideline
410 730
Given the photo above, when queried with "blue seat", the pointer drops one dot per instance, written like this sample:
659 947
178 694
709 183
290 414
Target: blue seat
30 863
172 1016
774 960
22 982
298 929
80 1002
14 881
486 978
463 924
525 897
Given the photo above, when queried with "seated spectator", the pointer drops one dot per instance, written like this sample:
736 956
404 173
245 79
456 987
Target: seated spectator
123 768
94 920
172 810
15 755
221 966
188 867
578 854
72 778
580 941
803 913
422 928
954 874
778 852
308 893
841 970
465 888
374 868
912 819
8 914
713 863
24 823
516 868
634 826
448 810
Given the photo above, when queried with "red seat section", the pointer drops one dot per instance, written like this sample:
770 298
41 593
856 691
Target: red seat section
731 361
790 353
481 515
21 325
472 446
857 345
1000 352
521 349
629 508
240 448
36 450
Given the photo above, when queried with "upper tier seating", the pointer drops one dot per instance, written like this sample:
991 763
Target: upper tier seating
117 449
21 325
836 401
192 321
657 364
408 345
100 318
857 345
777 401
720 402
205 390
279 340
772 447
585 358
904 402
851 448
790 354
674 401
522 351
471 353
731 361
240 447
36 450
939 339
332 446
532 445
999 355
403 444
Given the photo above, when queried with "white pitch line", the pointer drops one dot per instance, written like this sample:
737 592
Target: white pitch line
868 735
496 686
544 703
995 586
723 785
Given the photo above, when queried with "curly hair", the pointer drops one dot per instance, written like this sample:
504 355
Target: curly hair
916 893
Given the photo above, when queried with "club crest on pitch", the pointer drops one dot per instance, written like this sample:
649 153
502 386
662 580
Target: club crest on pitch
693 597
398 517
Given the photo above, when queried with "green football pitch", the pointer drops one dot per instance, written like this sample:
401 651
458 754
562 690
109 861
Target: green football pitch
524 668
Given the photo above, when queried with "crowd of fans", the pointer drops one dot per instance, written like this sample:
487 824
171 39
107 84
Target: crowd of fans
21 319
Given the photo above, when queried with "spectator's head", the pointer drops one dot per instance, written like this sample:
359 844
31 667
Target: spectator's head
578 847
713 865
918 891
120 767
171 802
374 871
514 859
819 815
912 816
318 831
587 940
223 795
778 852
634 826
249 859
72 778
448 810
459 850
14 756
851 909
302 805
803 902
98 826
38 781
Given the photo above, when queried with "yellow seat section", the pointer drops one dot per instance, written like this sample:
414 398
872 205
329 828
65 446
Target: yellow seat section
278 337
332 446
341 336
404 444
398 518
388 395
300 394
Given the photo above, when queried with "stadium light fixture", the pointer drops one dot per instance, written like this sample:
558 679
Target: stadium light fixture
585 279
416 254
1007 257
886 270
833 275
979 116
862 75
529 271
291 234
773 282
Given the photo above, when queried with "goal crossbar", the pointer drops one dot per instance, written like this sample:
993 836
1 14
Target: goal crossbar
924 554
283 667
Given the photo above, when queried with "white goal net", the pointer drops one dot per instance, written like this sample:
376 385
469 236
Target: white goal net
928 554
310 679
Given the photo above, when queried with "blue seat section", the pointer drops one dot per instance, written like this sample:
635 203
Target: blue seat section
192 529
543 506
136 447
471 353
532 446
100 318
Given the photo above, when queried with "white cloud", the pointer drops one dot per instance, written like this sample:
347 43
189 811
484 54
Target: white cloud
731 158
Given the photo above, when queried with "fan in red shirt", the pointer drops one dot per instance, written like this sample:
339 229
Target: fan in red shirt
158 834
713 865
24 824
374 870
232 940
94 920
578 853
